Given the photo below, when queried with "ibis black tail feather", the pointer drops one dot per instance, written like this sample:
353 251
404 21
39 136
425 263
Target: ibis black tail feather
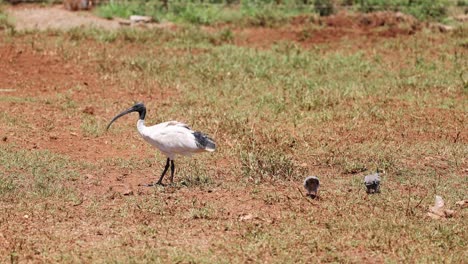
204 142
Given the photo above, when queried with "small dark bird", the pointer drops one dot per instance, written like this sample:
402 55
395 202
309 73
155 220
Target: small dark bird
372 183
311 184
171 138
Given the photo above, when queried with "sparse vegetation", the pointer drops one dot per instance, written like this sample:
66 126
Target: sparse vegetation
266 12
261 13
31 174
421 9
92 127
5 23
338 109
324 7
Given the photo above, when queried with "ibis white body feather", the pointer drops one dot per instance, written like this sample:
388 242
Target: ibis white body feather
171 138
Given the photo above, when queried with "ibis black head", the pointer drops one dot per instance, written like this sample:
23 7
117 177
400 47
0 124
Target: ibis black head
138 107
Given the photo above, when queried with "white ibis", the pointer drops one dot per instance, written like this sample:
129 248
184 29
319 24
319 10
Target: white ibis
171 138
311 184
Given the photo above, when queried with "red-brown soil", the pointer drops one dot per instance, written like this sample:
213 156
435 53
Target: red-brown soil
361 29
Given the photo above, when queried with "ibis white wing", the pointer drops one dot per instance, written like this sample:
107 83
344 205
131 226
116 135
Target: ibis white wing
168 124
172 138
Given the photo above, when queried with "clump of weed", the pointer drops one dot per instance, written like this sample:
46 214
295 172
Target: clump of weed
78 33
421 9
264 164
195 175
354 167
267 17
196 180
324 7
272 13
5 22
264 159
196 13
91 127
112 10
223 36
6 184
204 212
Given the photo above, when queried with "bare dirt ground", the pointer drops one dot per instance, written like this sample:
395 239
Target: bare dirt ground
56 17
30 17
27 71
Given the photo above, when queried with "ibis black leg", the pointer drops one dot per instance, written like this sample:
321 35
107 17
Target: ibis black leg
172 171
159 182
164 172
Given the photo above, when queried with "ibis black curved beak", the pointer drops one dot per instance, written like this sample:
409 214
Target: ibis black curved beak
128 111
139 107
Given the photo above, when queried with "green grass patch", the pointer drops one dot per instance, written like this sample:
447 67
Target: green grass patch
5 22
421 9
260 13
267 12
36 173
